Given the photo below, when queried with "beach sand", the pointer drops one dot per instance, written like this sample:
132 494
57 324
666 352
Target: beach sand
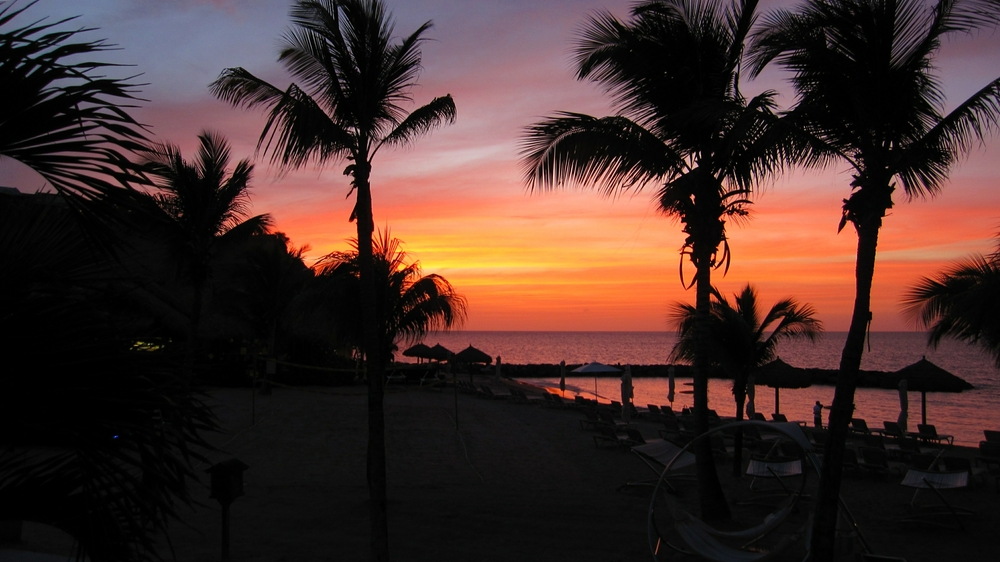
514 482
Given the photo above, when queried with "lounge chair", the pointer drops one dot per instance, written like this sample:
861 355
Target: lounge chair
757 416
991 435
653 411
707 542
773 468
671 429
935 481
592 420
779 417
487 392
859 425
850 463
877 461
635 435
961 463
928 433
989 458
922 461
609 436
657 454
893 429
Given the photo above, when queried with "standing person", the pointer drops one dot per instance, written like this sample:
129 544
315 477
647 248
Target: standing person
818 414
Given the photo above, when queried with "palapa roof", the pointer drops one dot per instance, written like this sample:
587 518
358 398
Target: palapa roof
778 374
925 376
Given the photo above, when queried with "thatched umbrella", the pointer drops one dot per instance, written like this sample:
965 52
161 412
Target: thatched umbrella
928 377
420 351
472 355
777 374
440 353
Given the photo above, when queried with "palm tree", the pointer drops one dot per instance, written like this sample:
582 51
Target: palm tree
200 208
962 302
97 437
867 94
354 79
741 340
409 304
61 116
682 125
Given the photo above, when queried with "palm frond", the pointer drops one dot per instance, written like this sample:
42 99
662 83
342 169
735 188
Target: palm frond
612 152
421 120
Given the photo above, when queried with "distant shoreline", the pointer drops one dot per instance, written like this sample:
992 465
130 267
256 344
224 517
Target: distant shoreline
823 377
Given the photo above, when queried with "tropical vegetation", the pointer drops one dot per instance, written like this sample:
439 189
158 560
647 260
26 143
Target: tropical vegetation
409 304
198 209
962 303
741 339
355 77
683 126
867 94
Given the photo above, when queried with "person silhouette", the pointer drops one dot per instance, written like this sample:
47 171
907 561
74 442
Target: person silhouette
818 414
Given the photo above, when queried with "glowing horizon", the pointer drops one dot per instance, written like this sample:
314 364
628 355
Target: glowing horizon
565 260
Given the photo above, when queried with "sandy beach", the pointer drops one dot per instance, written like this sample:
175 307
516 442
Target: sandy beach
514 482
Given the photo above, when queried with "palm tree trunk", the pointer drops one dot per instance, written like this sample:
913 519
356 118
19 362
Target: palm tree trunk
713 501
375 362
738 435
842 409
194 326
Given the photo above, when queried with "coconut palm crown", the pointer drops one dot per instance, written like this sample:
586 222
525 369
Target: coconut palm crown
867 94
353 77
681 125
410 304
962 302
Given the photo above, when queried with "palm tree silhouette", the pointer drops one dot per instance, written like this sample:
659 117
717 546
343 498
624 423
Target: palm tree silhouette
741 340
683 125
867 93
962 302
409 304
354 78
200 209
61 116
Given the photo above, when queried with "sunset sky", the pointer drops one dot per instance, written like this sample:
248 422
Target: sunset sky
569 260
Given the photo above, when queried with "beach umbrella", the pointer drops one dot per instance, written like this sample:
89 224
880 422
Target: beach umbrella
562 376
777 374
627 394
925 377
420 351
904 405
473 355
670 385
440 353
596 368
751 394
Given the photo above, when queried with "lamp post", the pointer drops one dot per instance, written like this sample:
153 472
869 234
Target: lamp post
227 485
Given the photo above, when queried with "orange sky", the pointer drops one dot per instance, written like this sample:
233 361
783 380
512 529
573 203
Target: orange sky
569 260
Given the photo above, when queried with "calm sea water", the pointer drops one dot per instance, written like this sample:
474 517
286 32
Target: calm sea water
963 415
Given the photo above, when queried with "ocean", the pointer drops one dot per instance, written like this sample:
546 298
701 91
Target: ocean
964 415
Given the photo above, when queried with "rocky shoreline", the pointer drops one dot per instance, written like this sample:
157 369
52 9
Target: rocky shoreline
867 379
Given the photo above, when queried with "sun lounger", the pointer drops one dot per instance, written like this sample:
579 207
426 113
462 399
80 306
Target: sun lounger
935 481
610 436
859 425
989 458
773 468
951 463
928 433
991 435
707 542
877 461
